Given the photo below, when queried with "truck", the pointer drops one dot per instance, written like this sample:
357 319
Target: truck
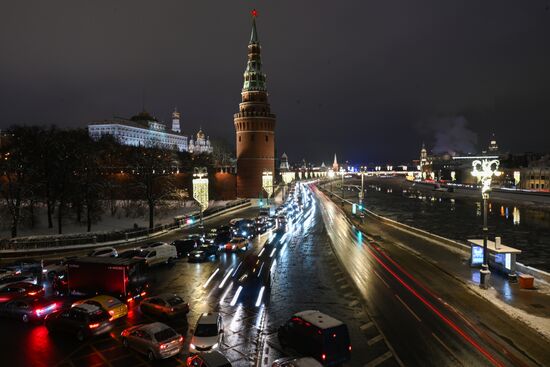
119 277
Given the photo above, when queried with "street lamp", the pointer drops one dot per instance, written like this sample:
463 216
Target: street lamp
484 170
200 188
362 172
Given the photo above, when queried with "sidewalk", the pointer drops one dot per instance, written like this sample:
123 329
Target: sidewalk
531 306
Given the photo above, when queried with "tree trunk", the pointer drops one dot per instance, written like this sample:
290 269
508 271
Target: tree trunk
50 210
31 212
89 217
151 213
60 218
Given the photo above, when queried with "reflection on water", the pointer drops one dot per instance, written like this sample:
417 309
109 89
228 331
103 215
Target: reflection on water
525 228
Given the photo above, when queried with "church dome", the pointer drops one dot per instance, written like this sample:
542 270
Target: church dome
201 135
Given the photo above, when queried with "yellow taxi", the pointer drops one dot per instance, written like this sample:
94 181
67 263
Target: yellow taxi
113 306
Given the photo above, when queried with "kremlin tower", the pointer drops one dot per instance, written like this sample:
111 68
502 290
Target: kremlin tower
254 125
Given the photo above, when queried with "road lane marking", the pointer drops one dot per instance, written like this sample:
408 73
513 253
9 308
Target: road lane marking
225 278
375 340
379 360
446 348
366 326
211 277
382 279
408 308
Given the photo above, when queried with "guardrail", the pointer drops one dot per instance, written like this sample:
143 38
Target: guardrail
50 243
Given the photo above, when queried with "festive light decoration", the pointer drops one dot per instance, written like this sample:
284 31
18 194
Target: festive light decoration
200 187
267 182
484 170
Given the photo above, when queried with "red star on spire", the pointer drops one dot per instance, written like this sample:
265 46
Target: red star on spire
254 13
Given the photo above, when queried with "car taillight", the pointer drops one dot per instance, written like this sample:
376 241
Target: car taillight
349 348
32 293
163 346
129 300
180 339
143 294
93 326
323 356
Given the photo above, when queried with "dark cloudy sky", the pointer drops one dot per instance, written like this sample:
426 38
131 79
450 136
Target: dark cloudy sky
369 80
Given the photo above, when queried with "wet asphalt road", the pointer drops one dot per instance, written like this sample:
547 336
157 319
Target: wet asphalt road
429 317
306 274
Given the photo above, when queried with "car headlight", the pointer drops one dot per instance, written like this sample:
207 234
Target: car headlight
215 346
192 346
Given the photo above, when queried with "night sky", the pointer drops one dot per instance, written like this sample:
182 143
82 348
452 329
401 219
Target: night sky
368 80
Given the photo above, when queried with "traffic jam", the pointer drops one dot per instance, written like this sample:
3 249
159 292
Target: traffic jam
125 295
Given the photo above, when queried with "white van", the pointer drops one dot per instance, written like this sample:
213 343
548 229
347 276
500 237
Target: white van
158 253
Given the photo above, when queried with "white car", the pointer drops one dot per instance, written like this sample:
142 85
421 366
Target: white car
158 253
208 333
104 252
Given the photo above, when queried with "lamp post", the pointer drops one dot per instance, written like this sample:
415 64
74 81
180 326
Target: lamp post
200 188
362 193
484 170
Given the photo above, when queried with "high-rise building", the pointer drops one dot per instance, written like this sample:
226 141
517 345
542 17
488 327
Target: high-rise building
254 125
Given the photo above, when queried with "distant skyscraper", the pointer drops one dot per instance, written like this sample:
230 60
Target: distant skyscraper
254 125
176 121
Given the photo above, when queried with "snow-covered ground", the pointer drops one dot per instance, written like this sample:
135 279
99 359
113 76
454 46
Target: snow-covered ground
127 215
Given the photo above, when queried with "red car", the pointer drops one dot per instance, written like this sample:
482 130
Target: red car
21 289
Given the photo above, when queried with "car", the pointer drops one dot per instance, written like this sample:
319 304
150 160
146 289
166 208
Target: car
158 253
13 291
52 268
129 254
222 237
184 247
210 238
25 278
237 244
208 359
25 266
165 305
318 335
296 362
203 253
112 305
156 340
6 273
103 252
82 321
208 333
244 228
28 309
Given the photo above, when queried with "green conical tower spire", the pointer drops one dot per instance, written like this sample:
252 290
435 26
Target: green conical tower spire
254 33
254 78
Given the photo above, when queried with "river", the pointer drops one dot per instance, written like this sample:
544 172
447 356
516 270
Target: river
522 227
